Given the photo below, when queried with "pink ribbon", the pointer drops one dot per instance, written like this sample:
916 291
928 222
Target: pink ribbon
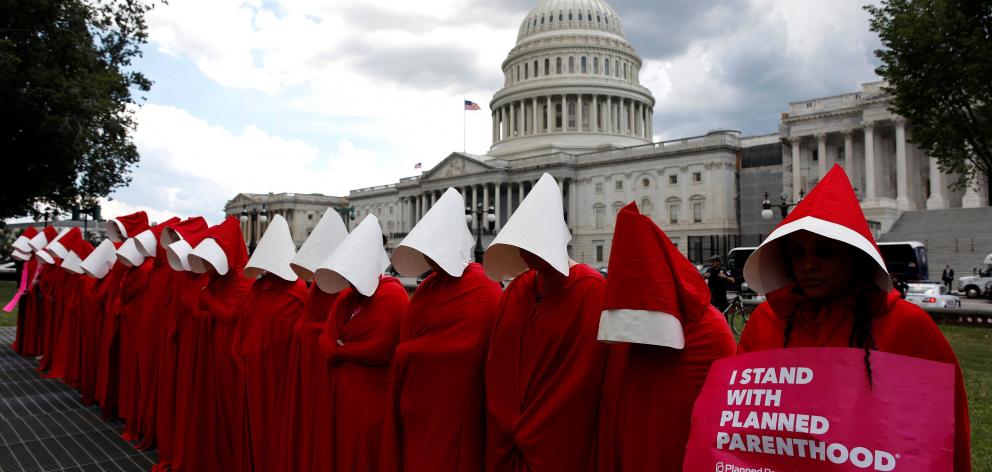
20 291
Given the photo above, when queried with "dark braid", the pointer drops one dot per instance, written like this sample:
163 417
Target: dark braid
861 332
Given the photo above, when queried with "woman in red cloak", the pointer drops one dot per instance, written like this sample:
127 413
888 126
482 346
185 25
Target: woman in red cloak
62 328
262 340
358 343
27 267
827 286
176 344
545 369
36 299
212 435
306 381
106 273
436 416
667 335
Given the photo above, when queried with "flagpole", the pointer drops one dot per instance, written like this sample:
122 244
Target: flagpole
463 125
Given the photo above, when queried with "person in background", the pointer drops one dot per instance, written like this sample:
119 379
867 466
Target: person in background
827 286
948 277
718 281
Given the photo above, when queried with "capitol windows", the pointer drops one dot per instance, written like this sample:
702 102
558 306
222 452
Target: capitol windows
571 65
599 210
618 185
606 66
599 187
569 16
697 209
647 209
547 67
558 65
624 71
673 210
585 116
697 177
558 116
542 19
580 16
526 71
673 179
598 245
518 74
595 65
571 115
583 64
645 182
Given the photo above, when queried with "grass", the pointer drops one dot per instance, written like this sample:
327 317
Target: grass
972 345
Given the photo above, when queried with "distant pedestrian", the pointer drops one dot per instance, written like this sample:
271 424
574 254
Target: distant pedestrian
718 281
948 277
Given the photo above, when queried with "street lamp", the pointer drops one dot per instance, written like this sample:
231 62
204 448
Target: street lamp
254 216
766 206
490 215
48 213
348 215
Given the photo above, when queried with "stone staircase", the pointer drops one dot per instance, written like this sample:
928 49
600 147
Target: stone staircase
960 237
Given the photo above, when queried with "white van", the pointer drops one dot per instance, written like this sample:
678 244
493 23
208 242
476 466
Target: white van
972 285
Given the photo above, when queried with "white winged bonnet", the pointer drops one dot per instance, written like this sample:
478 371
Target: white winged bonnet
441 235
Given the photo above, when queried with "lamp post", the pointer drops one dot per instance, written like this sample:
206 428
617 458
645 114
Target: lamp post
479 212
348 215
254 216
766 206
47 213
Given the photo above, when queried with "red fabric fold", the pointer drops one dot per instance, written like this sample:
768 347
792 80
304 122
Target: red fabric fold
436 413
544 372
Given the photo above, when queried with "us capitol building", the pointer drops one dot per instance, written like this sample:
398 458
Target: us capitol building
572 105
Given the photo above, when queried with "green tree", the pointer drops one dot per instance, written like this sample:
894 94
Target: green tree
66 99
937 58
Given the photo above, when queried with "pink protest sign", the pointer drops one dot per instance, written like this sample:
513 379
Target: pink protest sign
812 409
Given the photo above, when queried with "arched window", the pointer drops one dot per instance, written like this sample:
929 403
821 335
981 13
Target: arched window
527 71
571 115
606 66
580 16
542 19
585 116
570 15
595 65
583 63
551 18
560 16
571 65
518 73
558 65
647 209
599 19
617 206
625 71
697 202
535 68
616 64
547 67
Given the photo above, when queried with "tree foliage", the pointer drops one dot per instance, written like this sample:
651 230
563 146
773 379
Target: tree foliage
66 99
937 58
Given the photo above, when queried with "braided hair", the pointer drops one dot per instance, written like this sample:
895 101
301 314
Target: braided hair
861 329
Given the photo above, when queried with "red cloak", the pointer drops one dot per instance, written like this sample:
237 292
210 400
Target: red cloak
901 328
102 300
544 373
436 416
131 309
211 435
261 347
26 343
159 289
65 354
658 310
306 385
358 345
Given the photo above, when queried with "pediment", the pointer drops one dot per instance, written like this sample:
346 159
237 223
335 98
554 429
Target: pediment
456 165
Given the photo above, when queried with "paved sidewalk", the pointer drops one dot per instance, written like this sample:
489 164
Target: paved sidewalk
45 427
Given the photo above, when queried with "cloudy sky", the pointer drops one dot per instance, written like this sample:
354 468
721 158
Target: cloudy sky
328 96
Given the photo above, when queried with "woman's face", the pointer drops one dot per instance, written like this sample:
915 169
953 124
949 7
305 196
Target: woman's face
823 267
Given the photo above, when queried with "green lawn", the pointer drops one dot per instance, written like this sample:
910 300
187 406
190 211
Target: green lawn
972 345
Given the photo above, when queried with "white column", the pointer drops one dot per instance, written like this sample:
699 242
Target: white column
870 184
551 116
937 200
902 173
651 124
849 154
578 112
630 118
475 197
493 127
564 113
797 168
535 115
485 196
521 193
608 122
513 120
821 151
499 215
974 196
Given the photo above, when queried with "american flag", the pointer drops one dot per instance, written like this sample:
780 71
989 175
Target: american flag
417 166
471 105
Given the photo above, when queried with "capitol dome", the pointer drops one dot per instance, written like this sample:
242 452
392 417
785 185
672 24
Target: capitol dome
571 84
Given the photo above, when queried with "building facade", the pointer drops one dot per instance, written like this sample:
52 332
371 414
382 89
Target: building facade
301 211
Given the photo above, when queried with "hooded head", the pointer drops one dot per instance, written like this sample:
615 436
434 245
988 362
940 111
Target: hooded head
20 256
180 239
129 254
40 240
831 210
359 260
63 243
101 260
324 238
23 242
127 226
222 251
147 240
79 250
538 226
653 291
442 236
274 252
